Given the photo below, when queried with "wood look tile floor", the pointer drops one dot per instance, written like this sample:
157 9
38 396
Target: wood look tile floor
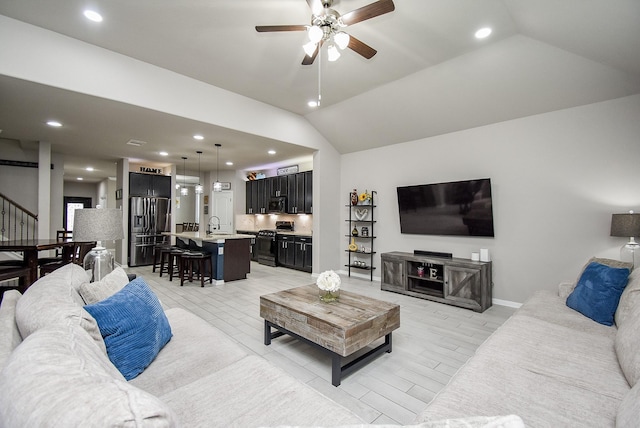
434 340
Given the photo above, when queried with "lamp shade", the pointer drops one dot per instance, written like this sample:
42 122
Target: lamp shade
97 224
627 225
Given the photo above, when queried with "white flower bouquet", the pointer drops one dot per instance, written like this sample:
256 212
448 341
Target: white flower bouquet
328 283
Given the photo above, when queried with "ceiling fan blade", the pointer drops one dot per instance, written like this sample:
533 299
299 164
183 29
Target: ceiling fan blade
308 60
362 48
270 28
367 12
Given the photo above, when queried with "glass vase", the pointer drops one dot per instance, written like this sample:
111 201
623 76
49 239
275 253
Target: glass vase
329 296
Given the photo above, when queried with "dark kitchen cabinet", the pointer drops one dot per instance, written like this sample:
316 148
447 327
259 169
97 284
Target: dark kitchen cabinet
286 251
295 252
303 256
252 197
256 198
299 193
149 185
298 188
278 186
263 196
308 192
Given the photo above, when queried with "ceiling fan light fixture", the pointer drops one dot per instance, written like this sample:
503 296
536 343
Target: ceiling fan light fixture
315 33
309 48
332 53
342 39
217 186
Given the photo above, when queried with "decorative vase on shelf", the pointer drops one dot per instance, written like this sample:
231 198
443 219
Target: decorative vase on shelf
354 197
328 283
365 198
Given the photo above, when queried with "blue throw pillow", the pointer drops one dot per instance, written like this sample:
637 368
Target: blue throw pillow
598 291
133 325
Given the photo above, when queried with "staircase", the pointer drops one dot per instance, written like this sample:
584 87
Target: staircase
16 222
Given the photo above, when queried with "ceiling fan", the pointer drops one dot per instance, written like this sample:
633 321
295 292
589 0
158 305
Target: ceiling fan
327 25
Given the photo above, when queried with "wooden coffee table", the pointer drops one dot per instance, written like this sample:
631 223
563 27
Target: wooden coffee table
339 328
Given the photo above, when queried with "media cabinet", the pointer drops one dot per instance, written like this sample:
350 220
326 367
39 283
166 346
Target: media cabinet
454 281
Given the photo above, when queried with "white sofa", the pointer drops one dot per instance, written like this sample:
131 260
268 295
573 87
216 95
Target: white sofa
56 372
553 367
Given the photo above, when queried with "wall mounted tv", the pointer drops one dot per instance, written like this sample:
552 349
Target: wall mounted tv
462 208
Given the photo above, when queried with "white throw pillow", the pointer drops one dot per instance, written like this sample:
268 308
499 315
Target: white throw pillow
54 299
629 299
93 292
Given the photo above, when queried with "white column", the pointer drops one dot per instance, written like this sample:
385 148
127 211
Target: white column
44 190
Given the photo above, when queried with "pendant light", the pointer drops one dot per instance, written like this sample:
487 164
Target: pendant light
184 191
199 186
217 186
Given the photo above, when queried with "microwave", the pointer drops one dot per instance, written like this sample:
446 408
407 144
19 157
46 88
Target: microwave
277 205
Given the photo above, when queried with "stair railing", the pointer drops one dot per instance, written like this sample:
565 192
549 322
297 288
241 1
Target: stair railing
16 222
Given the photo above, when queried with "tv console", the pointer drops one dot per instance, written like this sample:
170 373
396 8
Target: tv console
454 281
432 253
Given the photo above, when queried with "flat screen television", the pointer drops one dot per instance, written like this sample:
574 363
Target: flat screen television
462 208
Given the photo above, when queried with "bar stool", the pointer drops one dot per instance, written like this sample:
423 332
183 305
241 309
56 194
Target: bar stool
158 254
172 260
187 264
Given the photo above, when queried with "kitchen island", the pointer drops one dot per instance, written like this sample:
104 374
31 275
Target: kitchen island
230 252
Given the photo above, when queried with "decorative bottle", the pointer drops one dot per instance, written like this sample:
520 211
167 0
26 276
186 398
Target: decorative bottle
354 197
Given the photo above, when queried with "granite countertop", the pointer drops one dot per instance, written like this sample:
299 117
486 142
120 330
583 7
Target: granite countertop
204 237
280 232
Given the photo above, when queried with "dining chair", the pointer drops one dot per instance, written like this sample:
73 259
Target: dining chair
62 235
12 278
80 250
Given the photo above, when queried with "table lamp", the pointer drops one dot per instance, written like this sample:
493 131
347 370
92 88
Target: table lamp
98 224
627 225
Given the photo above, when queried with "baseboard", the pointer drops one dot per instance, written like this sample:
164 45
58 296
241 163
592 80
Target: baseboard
507 303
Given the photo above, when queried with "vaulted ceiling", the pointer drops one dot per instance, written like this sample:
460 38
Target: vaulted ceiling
430 75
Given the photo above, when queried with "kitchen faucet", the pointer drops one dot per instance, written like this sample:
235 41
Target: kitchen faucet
209 228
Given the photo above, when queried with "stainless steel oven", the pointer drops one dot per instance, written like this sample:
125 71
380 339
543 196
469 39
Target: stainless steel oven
266 246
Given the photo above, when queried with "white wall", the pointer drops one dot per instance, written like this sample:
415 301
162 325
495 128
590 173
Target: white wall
556 180
88 69
14 178
21 183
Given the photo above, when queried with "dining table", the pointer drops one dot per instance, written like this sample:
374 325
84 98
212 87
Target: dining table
30 249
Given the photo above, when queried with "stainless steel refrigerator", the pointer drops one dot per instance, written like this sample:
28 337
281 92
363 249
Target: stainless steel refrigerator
148 218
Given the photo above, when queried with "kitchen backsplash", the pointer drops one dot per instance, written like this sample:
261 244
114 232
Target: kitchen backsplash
302 223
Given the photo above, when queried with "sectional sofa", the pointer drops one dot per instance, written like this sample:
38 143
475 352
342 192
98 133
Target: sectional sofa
553 366
56 371
57 368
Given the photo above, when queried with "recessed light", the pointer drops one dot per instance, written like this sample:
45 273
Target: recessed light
272 152
80 178
54 123
163 154
198 137
89 168
92 15
312 104
229 163
483 32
